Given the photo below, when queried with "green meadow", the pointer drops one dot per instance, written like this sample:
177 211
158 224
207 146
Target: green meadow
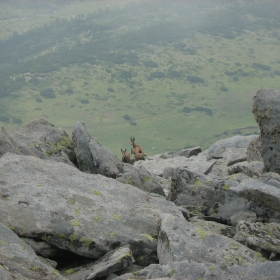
188 92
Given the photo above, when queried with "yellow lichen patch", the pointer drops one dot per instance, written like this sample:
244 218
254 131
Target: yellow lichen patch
201 233
148 236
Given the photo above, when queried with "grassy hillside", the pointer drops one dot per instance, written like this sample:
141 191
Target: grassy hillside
171 75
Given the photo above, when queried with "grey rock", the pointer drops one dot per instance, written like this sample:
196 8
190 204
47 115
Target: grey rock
263 194
179 240
111 262
87 214
42 248
7 144
266 111
216 151
42 139
254 150
142 179
262 236
195 163
270 178
189 152
92 157
253 169
191 270
19 261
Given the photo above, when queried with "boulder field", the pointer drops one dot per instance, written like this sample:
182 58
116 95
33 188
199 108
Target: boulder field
71 209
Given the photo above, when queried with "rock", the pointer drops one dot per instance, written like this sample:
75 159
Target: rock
142 179
179 240
216 151
19 261
254 150
87 214
270 178
157 165
42 248
192 270
252 169
7 144
259 235
111 262
266 111
92 157
189 152
260 193
42 139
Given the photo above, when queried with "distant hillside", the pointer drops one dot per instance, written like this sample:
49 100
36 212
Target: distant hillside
173 73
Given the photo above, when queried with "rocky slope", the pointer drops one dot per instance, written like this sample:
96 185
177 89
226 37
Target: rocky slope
70 209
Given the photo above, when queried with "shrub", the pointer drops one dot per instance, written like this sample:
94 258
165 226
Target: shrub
223 88
276 72
34 81
133 123
110 89
190 51
38 99
69 90
84 101
4 119
157 75
187 110
47 93
194 79
261 66
127 117
150 64
17 120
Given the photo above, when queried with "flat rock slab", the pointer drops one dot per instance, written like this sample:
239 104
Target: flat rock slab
114 261
88 214
19 261
266 195
196 164
180 240
190 270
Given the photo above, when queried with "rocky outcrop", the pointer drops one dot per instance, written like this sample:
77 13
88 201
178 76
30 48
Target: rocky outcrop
211 215
92 157
19 261
87 214
265 107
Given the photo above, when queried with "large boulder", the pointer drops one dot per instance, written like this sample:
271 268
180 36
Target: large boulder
92 157
266 110
7 143
142 179
180 240
42 139
87 214
19 261
254 150
217 149
157 165
192 270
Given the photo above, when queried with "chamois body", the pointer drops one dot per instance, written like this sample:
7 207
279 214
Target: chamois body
138 156
136 148
125 156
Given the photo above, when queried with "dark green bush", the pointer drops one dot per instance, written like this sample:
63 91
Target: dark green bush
194 79
4 119
223 88
69 90
17 120
47 93
34 81
187 110
38 99
84 101
127 117
157 75
133 123
276 72
150 63
110 89
261 66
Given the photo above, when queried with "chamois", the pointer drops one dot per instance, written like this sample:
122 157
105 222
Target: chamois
125 156
138 156
136 148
